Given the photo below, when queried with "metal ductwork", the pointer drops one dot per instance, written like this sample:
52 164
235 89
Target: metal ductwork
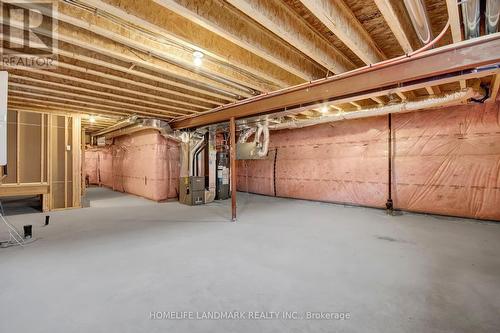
135 124
471 15
408 106
418 14
256 149
492 16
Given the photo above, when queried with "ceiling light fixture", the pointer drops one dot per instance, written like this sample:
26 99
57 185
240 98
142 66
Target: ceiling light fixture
197 58
92 119
324 109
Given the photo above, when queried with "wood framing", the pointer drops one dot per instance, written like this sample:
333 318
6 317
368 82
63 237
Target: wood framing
394 17
279 19
342 22
45 162
465 55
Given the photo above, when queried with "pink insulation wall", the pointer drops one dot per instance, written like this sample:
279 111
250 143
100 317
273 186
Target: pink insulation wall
445 161
144 163
98 166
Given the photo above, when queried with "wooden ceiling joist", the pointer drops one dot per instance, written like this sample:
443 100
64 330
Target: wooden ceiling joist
278 18
175 75
171 26
433 90
182 57
110 97
45 105
79 97
494 87
176 102
455 26
216 16
341 21
97 107
394 17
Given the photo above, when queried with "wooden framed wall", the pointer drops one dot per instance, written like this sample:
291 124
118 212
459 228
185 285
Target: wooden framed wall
44 158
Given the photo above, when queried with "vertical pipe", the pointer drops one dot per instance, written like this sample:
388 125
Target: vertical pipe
389 204
232 132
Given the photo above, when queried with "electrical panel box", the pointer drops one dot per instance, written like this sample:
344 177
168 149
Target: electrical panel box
192 191
3 117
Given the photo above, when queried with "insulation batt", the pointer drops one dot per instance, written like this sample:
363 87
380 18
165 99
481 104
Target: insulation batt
445 161
143 163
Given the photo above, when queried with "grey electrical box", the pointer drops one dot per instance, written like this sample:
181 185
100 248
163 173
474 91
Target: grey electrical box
192 191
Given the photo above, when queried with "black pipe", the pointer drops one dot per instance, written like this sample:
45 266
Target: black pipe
389 204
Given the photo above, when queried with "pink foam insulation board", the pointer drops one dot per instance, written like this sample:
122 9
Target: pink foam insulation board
144 163
445 161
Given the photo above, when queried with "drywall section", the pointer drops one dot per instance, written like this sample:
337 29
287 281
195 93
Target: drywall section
445 161
44 158
143 163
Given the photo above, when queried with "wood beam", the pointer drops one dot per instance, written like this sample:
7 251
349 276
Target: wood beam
454 17
114 87
467 55
97 92
337 17
278 18
178 30
494 87
170 52
78 98
393 18
378 100
41 98
455 27
175 75
433 90
217 17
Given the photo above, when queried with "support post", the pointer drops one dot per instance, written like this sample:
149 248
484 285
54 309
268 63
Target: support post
389 204
232 133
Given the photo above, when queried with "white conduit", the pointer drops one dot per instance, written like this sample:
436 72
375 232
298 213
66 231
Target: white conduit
435 101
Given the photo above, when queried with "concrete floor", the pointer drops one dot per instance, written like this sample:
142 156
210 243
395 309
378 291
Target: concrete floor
107 267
